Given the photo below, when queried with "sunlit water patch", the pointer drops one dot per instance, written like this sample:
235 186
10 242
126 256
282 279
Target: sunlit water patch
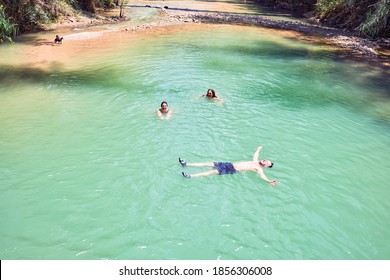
88 171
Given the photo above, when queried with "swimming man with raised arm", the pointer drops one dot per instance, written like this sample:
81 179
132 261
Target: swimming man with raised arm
222 168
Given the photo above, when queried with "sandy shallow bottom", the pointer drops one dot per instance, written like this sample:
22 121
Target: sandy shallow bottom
88 44
82 40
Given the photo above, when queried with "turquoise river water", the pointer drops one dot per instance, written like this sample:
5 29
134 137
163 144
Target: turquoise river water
88 171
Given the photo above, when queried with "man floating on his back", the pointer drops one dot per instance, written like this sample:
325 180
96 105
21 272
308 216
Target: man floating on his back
222 168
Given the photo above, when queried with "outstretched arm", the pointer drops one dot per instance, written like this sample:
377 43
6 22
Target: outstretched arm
256 155
219 99
262 175
159 114
169 113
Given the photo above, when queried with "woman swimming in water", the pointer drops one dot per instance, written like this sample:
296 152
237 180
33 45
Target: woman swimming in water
211 95
164 111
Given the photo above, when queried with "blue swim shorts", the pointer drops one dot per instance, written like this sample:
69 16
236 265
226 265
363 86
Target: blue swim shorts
225 168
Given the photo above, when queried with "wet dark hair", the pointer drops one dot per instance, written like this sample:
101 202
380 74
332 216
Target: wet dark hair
212 92
162 103
272 164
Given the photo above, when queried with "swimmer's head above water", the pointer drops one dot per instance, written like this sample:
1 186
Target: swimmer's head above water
266 163
164 107
210 93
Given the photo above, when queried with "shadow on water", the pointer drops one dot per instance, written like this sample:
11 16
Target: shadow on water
263 51
56 75
34 39
297 81
378 73
289 89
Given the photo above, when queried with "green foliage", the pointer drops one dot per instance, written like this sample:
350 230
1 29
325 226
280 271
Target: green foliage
7 29
90 5
329 6
293 5
29 14
106 3
377 22
369 17
33 15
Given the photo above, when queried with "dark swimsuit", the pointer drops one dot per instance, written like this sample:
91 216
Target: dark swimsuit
225 168
164 112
